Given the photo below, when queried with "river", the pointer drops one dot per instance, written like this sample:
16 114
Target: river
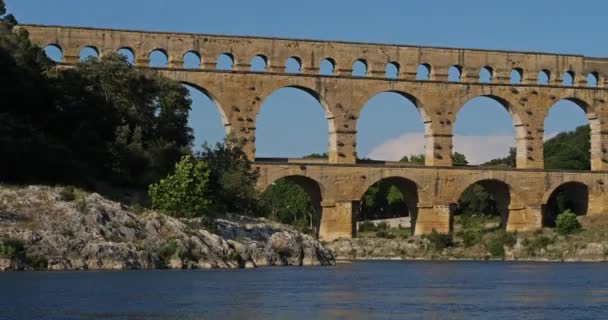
361 290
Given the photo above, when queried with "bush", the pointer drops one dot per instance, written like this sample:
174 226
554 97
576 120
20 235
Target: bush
567 223
37 262
439 241
11 248
497 241
382 226
168 250
381 233
536 244
471 237
186 192
67 194
367 226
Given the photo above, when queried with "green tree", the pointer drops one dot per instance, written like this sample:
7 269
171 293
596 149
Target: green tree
231 178
567 223
323 155
414 158
185 193
508 161
459 159
287 202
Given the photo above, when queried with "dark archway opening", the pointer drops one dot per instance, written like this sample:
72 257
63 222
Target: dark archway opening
573 196
389 208
294 200
482 205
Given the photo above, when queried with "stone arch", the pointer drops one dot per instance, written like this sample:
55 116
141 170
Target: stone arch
128 53
593 79
408 188
192 60
516 76
391 70
543 77
455 73
259 63
572 195
225 61
327 66
224 114
516 120
87 52
54 52
159 58
317 191
568 78
360 68
396 129
293 64
423 71
504 197
486 74
329 117
593 121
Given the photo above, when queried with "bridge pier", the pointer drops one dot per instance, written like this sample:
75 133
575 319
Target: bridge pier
524 218
338 220
434 217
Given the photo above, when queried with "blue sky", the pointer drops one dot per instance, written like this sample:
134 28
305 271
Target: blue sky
389 125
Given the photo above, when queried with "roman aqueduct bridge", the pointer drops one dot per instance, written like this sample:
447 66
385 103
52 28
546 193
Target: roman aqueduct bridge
337 184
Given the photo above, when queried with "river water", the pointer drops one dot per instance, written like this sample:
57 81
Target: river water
361 290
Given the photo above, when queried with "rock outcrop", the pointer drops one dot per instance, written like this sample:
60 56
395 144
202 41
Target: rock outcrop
40 229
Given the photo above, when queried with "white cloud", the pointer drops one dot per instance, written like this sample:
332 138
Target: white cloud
477 149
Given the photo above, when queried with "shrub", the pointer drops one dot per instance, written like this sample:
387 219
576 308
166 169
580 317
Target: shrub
10 248
37 262
536 244
367 226
168 250
67 194
497 241
381 233
567 223
471 237
439 241
186 192
382 226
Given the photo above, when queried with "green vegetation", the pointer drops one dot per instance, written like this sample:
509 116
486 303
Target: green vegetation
439 241
10 248
497 241
185 193
534 245
168 250
287 202
567 223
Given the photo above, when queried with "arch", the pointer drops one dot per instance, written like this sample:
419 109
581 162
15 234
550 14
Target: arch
564 121
158 58
516 76
224 61
485 197
391 70
403 129
294 185
203 117
423 72
327 66
543 77
279 132
88 52
192 60
54 52
389 198
128 53
455 73
568 78
259 63
486 74
479 125
359 68
593 79
293 65
572 195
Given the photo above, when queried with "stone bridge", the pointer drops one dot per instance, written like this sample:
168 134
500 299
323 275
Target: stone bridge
526 84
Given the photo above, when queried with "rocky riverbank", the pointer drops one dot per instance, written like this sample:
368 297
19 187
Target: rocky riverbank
591 244
46 228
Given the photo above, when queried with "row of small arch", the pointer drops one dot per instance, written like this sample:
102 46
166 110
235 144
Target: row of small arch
260 63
